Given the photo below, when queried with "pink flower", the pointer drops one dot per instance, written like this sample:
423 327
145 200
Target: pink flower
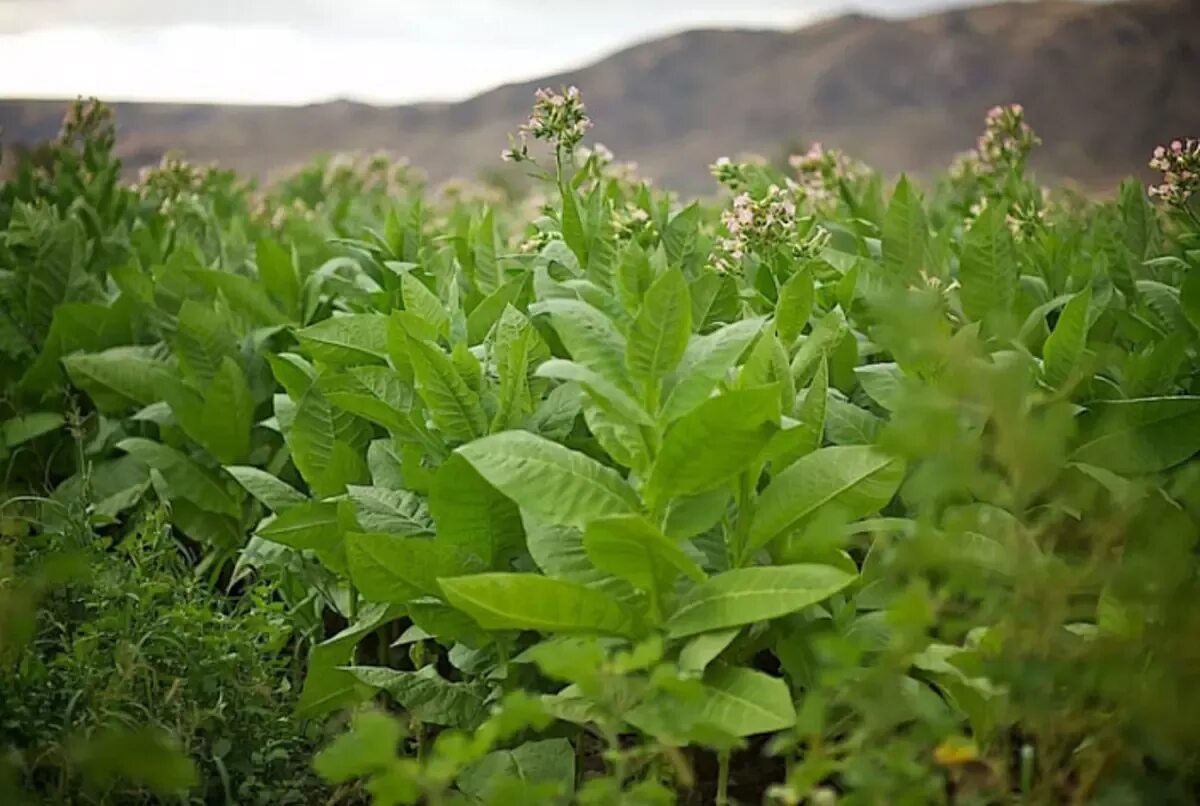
1177 146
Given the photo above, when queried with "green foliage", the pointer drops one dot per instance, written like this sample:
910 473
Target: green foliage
624 502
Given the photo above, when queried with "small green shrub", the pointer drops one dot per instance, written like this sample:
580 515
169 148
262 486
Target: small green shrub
134 666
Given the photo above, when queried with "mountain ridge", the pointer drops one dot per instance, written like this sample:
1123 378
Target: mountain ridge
1103 84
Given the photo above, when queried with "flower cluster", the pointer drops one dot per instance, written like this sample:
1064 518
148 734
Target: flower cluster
1007 139
1004 145
364 172
558 118
87 122
736 176
763 226
820 172
1026 219
172 178
1180 167
630 220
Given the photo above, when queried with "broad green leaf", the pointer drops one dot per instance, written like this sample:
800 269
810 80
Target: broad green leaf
701 650
517 348
274 493
545 770
612 398
78 326
848 424
385 464
533 602
473 515
858 480
795 305
325 443
660 332
119 377
712 444
630 547
679 237
18 430
328 686
558 484
427 696
311 526
746 595
279 276
745 702
706 362
559 552
1189 297
487 270
883 383
590 337
987 270
803 436
398 512
294 373
418 299
377 394
1063 350
203 339
347 340
905 234
398 569
242 294
572 224
484 315
185 478
1147 435
227 414
818 345
454 407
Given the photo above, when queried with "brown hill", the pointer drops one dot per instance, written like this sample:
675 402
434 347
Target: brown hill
1102 83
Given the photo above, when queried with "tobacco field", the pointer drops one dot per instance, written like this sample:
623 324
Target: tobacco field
829 488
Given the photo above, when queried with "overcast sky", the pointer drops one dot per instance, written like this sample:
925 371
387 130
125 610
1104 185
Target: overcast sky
298 51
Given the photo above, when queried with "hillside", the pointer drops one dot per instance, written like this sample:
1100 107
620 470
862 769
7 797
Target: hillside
1102 84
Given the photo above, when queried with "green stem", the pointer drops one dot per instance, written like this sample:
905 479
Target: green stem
741 534
722 779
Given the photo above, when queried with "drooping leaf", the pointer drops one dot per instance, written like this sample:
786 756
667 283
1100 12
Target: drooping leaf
428 696
1147 435
532 602
397 512
747 595
186 478
274 493
558 484
630 547
347 340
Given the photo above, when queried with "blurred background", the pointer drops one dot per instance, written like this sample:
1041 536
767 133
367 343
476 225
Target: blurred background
262 85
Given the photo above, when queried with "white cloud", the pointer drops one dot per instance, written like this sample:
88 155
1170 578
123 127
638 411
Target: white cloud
297 51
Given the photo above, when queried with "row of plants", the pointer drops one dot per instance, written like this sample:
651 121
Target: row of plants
816 492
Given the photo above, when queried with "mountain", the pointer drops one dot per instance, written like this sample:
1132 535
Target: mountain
1101 83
